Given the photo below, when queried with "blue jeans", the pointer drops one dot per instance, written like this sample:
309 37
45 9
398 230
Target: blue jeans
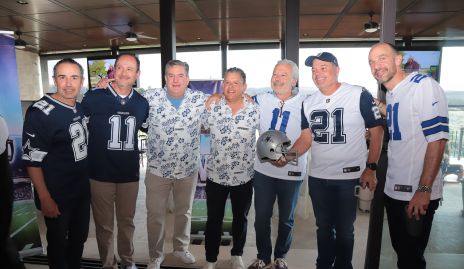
267 189
334 207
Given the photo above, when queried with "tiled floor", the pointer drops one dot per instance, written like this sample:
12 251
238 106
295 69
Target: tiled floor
446 247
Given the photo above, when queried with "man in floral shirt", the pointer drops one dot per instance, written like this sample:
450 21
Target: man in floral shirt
175 118
233 123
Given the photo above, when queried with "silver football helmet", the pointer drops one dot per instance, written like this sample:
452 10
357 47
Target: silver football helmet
272 145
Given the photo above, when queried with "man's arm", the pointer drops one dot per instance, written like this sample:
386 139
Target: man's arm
433 156
47 205
368 177
301 145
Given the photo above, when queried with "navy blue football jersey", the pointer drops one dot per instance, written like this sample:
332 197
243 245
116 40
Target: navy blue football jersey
55 139
113 123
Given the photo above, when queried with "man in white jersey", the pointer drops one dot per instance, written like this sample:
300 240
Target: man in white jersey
417 113
334 121
279 110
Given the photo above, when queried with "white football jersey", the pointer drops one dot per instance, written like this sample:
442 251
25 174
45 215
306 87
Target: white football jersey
417 113
276 114
338 125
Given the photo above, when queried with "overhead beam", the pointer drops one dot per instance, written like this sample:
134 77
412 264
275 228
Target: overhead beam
290 43
212 27
339 18
167 33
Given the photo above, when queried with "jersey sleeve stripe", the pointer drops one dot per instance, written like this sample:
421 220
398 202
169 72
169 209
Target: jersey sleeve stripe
437 129
434 121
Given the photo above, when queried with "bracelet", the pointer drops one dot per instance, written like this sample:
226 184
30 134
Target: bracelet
424 188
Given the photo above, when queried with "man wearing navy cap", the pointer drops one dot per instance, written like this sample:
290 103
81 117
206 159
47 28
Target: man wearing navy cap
334 121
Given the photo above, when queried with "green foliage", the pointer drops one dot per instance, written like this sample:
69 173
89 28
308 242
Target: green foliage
97 68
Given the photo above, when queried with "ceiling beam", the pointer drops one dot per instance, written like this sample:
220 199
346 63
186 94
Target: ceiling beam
212 27
339 18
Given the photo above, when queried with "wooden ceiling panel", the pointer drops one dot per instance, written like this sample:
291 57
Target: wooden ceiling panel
313 34
66 20
427 6
23 24
254 29
4 12
141 2
316 22
213 9
454 28
350 26
366 6
34 6
214 20
201 33
151 10
410 24
96 33
82 5
254 9
322 7
185 12
57 36
117 16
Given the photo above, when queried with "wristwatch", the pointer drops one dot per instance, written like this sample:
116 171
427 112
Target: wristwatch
424 188
372 166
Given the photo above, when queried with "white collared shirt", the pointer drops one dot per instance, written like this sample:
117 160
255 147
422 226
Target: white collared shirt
173 148
233 139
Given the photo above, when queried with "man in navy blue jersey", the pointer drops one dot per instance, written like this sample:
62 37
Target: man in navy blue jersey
55 153
115 115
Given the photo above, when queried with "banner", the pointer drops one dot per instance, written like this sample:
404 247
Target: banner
199 212
24 228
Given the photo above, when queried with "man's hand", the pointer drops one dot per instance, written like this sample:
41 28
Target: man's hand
213 99
281 162
419 204
104 82
368 179
49 207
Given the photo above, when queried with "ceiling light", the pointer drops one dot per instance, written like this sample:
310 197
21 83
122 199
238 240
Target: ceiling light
20 44
371 27
131 36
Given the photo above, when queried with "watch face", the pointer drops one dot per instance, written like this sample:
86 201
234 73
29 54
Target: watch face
372 166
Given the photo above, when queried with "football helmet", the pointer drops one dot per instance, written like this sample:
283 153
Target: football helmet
272 145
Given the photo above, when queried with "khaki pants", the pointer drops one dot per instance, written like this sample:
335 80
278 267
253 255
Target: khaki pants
106 198
158 190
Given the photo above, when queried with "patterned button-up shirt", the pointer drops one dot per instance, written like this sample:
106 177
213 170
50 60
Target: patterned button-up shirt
173 148
233 139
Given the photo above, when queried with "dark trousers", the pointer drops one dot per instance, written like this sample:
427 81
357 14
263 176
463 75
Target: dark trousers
67 234
410 249
216 196
334 207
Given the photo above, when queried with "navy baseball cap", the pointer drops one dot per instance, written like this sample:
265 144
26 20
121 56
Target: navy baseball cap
323 56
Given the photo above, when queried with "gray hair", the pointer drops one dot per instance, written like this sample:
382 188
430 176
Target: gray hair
172 63
295 69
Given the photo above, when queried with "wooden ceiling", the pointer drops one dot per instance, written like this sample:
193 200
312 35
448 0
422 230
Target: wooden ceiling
63 25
